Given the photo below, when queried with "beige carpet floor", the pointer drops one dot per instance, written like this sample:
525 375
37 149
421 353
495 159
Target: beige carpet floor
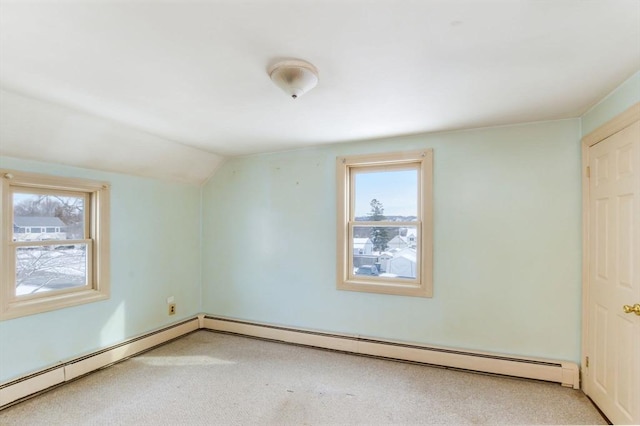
212 378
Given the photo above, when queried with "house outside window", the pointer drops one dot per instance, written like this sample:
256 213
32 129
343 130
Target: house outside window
49 228
54 249
385 199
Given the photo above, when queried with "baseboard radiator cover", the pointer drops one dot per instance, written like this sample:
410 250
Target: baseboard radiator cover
25 387
563 372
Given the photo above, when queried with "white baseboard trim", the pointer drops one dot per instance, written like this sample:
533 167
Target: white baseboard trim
563 372
25 387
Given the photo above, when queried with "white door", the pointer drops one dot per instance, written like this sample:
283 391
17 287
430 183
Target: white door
613 336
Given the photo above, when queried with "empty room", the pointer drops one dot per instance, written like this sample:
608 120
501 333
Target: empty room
319 212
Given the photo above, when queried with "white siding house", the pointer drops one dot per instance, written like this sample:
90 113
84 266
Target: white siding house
362 246
38 228
399 242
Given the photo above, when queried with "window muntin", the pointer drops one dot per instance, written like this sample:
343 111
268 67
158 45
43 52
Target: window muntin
385 223
55 242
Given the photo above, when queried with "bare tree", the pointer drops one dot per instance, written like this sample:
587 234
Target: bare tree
46 266
70 210
42 268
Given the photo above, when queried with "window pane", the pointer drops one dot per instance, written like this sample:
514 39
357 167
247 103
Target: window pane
46 268
385 251
45 217
386 195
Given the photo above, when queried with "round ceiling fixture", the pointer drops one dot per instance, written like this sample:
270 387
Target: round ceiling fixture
294 76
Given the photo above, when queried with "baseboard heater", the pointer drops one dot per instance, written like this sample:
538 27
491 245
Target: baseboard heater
565 373
25 387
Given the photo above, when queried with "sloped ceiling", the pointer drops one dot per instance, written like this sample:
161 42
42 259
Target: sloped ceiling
194 73
38 130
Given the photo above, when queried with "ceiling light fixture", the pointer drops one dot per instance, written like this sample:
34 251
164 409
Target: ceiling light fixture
295 77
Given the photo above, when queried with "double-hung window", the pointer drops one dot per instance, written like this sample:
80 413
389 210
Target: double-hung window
54 249
385 223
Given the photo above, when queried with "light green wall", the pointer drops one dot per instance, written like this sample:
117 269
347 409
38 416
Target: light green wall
507 248
155 250
626 95
507 243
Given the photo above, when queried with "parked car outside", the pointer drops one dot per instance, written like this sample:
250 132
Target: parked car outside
368 270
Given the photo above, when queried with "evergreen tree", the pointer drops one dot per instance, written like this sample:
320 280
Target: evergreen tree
379 236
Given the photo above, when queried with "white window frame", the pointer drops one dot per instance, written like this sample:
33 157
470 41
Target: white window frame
97 210
346 167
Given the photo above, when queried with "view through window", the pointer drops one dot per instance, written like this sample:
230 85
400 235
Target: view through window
55 242
384 215
388 248
53 253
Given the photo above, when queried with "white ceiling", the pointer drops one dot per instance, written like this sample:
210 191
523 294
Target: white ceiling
194 72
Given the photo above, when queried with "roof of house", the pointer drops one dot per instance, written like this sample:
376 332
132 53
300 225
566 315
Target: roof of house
409 254
23 221
361 242
399 238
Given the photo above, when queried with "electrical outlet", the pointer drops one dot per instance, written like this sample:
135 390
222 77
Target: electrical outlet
172 309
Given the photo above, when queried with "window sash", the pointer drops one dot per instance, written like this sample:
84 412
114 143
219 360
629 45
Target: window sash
90 279
96 207
27 189
346 169
387 280
359 168
87 219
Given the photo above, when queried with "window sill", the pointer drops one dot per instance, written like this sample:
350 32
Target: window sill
414 290
19 308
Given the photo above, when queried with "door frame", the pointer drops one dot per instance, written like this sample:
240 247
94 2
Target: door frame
609 128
